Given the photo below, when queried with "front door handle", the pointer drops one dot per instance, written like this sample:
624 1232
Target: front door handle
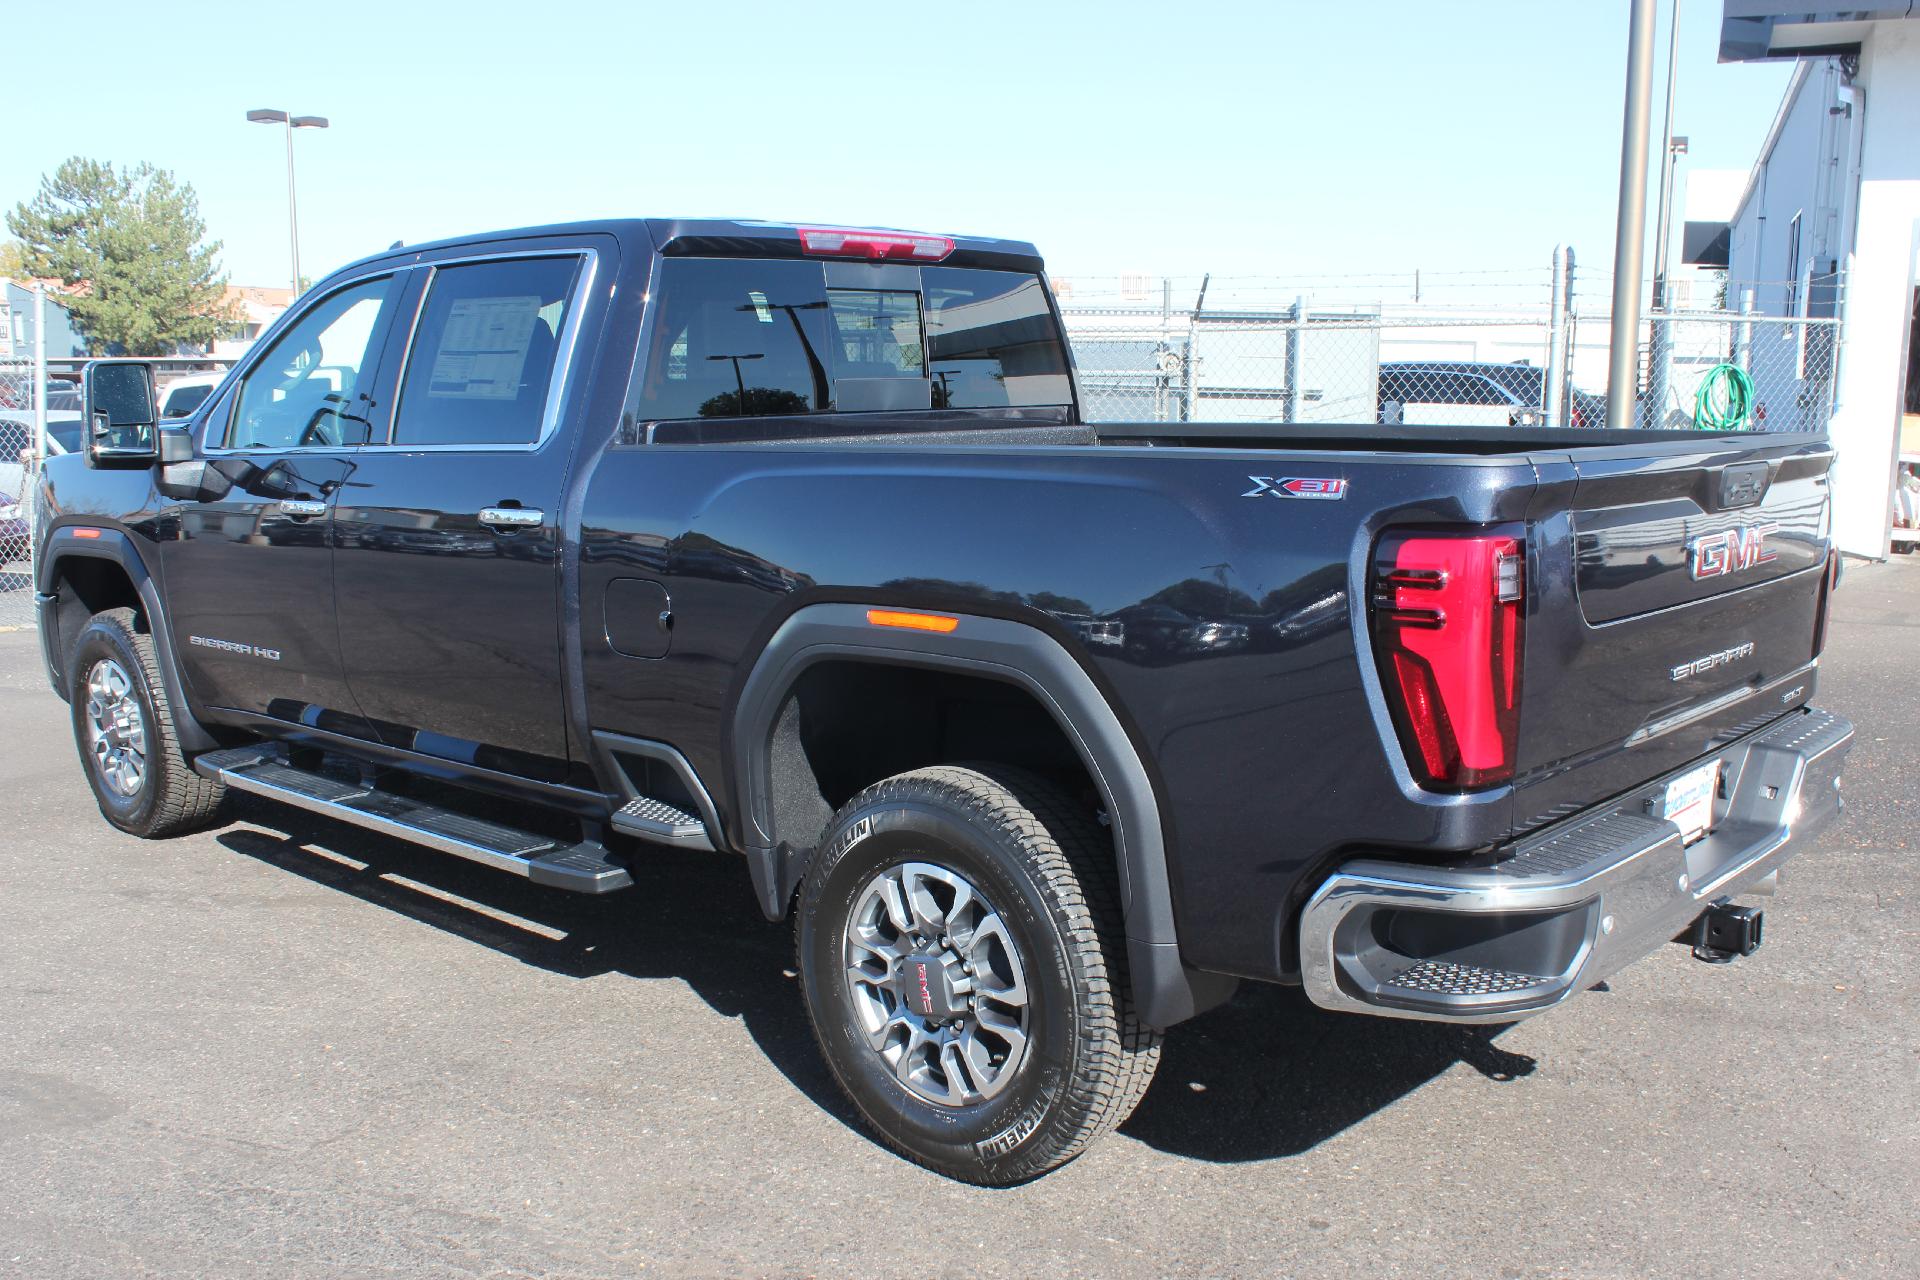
507 518
302 508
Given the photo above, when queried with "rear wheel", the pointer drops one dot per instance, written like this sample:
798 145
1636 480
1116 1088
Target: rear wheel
123 723
961 950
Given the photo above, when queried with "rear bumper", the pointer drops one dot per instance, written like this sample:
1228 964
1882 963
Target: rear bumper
1575 902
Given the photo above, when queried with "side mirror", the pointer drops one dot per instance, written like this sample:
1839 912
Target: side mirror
117 403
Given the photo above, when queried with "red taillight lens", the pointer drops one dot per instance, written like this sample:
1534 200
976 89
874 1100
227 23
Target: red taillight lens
1828 581
1449 626
852 242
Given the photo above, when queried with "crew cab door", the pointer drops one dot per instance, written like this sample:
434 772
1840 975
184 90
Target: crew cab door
447 568
247 564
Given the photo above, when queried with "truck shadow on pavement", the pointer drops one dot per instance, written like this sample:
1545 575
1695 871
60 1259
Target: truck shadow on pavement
1266 1076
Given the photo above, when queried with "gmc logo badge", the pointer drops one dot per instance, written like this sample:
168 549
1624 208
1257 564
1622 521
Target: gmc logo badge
1715 555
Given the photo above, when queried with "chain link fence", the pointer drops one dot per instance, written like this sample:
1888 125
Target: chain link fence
16 467
1447 370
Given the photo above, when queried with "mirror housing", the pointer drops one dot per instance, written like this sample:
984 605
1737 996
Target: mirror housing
176 445
118 406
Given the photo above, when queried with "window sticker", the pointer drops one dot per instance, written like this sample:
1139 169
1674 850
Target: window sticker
483 349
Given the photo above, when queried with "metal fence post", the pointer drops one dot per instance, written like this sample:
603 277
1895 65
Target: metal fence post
30 499
1296 333
1552 393
1190 368
1743 336
1839 341
1659 368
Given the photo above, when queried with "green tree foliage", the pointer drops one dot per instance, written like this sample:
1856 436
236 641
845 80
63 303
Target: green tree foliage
132 246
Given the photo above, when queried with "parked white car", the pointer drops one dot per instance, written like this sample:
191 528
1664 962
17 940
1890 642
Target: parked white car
16 445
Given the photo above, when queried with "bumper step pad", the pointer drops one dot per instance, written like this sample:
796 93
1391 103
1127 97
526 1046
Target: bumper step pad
1445 978
584 867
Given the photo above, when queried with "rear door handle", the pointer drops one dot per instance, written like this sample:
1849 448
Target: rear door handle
512 517
302 508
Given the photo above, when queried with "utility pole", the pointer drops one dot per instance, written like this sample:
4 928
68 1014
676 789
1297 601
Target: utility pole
1630 231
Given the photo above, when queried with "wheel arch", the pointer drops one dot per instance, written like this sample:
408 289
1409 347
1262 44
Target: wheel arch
1013 653
86 569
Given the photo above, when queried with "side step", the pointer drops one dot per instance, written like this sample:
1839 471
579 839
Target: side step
658 820
263 771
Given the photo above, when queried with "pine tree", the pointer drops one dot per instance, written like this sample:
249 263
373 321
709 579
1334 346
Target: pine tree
132 248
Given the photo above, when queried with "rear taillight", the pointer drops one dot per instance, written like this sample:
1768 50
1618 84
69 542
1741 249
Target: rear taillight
1828 581
854 242
1449 630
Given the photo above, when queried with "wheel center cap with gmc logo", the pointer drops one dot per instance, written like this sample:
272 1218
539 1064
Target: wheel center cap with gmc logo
924 989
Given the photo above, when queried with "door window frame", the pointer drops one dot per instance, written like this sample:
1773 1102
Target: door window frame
558 384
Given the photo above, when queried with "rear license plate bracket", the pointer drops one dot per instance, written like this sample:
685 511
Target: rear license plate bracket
1687 801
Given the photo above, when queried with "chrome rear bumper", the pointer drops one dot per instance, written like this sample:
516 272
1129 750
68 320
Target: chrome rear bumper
1575 902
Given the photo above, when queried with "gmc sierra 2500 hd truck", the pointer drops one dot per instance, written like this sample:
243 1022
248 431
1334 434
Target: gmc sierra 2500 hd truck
790 543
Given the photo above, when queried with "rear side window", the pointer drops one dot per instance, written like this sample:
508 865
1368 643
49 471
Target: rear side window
753 337
992 340
482 357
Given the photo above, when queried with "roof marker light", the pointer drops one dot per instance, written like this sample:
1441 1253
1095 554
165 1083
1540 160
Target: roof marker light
911 621
876 246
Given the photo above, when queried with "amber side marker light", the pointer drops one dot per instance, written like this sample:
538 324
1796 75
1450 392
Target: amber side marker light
84 532
911 621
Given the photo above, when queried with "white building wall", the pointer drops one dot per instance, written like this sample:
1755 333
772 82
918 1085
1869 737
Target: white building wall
1886 243
1853 177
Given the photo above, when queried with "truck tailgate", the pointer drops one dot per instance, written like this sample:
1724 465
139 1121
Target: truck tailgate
1678 596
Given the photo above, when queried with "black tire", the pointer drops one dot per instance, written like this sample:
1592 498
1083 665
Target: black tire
170 799
1047 868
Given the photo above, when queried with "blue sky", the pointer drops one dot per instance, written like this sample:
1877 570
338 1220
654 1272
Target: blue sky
1260 139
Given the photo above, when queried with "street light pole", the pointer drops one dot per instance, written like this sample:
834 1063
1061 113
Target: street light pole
1630 231
291 122
1670 148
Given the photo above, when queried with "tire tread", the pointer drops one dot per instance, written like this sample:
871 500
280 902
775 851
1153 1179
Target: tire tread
186 801
1073 861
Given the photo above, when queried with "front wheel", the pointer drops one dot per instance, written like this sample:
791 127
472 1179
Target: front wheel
963 959
123 722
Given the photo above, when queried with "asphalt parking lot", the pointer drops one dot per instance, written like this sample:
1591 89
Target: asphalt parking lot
290 1047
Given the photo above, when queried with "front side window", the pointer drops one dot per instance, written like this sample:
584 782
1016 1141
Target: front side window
302 393
482 357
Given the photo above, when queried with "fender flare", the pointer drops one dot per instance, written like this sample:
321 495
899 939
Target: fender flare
1165 991
114 545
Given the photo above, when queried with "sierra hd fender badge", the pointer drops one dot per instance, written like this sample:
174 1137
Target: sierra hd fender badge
1715 555
1296 487
235 646
1708 661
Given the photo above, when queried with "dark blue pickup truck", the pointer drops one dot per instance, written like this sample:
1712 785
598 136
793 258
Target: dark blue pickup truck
790 543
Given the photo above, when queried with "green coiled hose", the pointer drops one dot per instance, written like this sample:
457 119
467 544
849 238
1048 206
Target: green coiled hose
1725 399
